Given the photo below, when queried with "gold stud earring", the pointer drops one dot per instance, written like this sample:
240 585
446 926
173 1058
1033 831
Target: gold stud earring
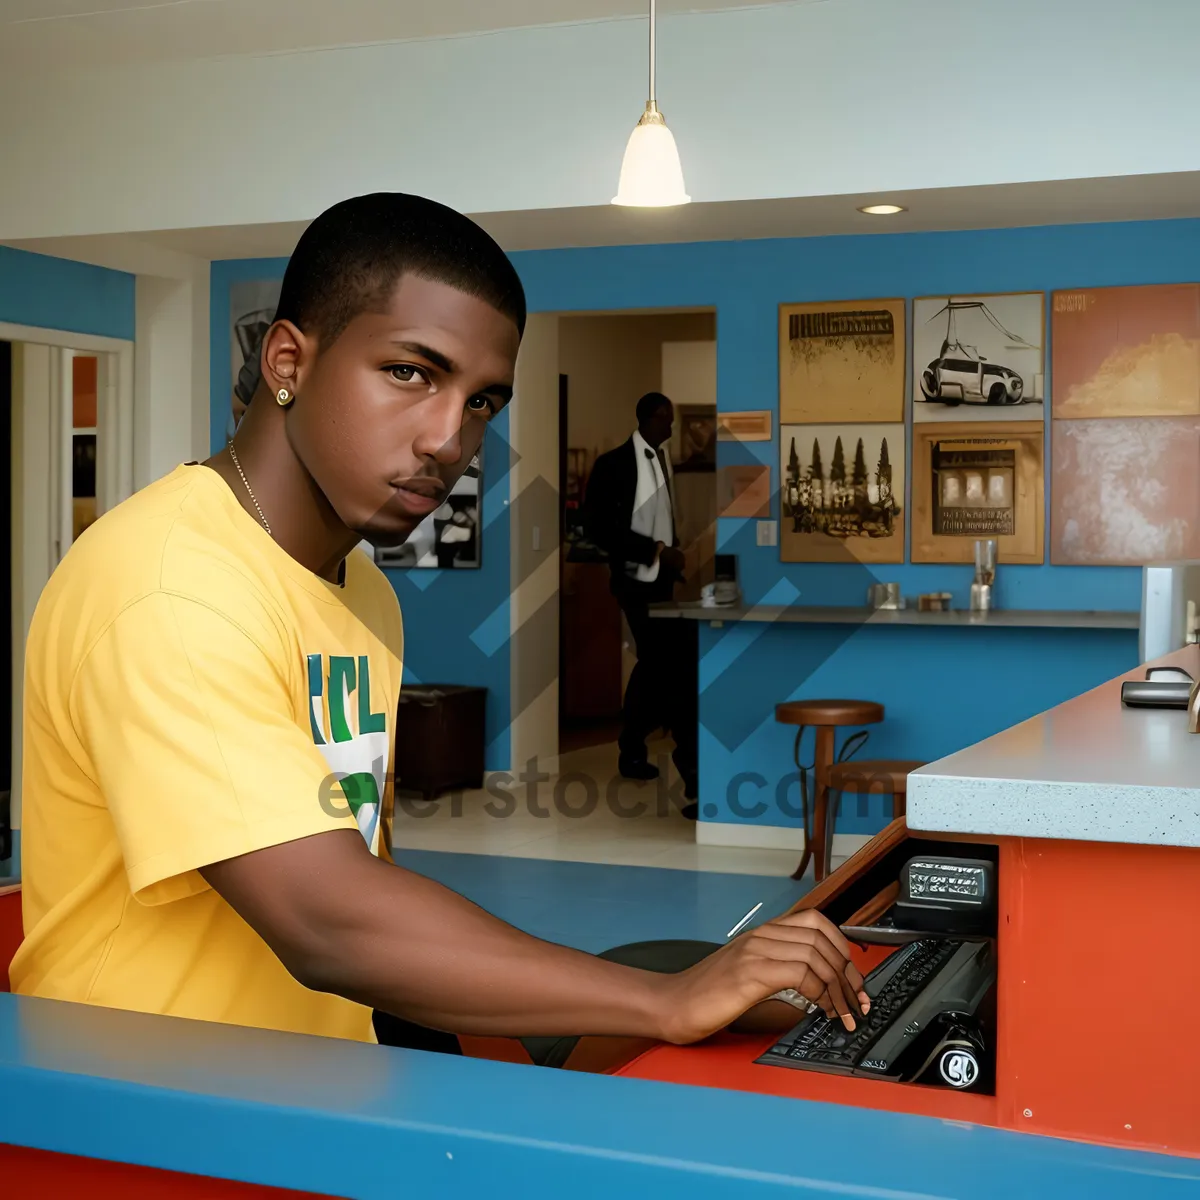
283 397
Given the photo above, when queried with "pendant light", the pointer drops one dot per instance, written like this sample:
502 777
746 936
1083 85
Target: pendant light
651 176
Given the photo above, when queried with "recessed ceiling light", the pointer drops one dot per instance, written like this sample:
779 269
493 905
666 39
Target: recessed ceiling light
882 210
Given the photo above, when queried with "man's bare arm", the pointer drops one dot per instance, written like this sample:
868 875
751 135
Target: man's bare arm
343 921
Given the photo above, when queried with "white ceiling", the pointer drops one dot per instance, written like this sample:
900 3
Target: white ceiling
46 34
1123 198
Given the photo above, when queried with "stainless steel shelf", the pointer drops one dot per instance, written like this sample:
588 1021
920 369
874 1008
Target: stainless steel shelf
956 619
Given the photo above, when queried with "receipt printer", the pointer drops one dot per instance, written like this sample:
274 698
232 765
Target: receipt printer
947 895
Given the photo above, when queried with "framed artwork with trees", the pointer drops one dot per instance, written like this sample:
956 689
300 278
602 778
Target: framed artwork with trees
842 493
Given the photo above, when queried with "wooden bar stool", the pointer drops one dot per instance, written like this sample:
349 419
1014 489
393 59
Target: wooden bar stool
864 777
826 717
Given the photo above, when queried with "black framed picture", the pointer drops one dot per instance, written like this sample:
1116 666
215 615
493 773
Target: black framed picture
451 537
697 438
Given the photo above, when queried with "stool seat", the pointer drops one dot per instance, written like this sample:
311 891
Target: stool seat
884 776
887 776
825 717
829 712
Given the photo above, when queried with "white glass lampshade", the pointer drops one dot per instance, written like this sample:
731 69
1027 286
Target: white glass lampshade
651 175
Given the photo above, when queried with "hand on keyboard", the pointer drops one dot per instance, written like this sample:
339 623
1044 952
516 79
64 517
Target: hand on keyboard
803 951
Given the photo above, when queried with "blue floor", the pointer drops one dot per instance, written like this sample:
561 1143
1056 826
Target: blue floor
594 908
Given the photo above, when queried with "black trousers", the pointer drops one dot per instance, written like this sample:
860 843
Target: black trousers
663 687
393 1031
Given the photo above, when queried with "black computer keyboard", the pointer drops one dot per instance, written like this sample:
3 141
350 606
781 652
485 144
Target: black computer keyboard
910 991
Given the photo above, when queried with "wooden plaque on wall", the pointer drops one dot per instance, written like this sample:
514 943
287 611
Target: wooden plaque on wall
744 426
972 480
744 491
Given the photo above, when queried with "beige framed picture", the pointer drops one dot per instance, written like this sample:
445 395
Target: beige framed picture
841 362
1126 351
841 493
972 480
1125 491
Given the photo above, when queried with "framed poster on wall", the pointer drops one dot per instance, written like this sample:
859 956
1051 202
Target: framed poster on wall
979 358
450 537
1125 462
1125 491
842 493
841 362
697 438
972 480
1126 352
252 305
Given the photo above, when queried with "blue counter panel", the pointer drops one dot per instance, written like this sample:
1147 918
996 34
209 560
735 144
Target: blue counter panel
367 1122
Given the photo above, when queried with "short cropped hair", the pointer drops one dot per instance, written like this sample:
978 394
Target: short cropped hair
350 259
649 404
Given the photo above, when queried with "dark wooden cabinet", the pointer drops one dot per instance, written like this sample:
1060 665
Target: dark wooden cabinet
590 670
440 739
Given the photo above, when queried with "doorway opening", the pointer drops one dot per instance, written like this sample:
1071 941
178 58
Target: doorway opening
578 380
68 457
607 362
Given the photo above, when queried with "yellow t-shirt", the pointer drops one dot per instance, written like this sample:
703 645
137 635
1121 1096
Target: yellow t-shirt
192 693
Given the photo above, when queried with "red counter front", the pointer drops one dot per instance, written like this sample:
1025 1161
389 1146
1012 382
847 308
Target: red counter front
1096 991
38 1173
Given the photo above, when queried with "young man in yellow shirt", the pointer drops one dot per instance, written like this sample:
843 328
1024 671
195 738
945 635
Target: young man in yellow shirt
214 651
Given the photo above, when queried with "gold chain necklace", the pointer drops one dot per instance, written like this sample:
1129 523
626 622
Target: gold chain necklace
249 489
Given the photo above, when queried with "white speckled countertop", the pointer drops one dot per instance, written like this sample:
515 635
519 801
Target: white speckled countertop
1088 770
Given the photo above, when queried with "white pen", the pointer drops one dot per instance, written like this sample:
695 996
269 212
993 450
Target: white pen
744 921
788 995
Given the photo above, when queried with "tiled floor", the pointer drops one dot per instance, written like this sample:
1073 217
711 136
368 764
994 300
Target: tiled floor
597 880
587 733
595 908
543 821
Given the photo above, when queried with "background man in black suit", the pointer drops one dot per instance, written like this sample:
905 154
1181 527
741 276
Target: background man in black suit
629 513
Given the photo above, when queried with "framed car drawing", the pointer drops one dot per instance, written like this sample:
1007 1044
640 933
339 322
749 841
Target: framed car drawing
979 358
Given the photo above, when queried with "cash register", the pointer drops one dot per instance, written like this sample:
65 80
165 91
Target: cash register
932 1015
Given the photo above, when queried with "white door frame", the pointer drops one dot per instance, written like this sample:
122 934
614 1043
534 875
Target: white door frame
534 553
39 512
114 402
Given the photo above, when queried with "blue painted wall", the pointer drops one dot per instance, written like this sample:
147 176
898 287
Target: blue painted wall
943 689
55 293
